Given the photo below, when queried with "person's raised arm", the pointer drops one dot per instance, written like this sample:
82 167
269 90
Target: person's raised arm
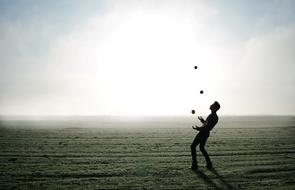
201 119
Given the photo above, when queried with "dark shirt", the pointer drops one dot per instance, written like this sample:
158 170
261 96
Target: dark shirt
210 122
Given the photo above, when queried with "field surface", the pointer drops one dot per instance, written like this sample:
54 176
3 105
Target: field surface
145 155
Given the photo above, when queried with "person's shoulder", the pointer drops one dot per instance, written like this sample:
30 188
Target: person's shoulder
212 116
215 116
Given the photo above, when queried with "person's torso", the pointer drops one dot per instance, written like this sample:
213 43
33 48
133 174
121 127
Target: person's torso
211 121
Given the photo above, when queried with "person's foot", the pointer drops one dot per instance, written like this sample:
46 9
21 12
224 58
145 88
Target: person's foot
194 167
209 165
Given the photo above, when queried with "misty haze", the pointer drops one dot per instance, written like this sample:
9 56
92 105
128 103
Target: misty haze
147 94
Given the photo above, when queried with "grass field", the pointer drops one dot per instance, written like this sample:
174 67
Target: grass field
70 154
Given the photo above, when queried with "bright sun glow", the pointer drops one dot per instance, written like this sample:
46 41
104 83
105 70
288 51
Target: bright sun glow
147 66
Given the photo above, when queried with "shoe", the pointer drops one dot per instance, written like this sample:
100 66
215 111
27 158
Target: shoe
209 165
194 167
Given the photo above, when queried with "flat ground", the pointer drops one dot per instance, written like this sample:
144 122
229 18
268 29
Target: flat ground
145 158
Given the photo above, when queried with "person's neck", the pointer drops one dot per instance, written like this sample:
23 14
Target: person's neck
213 112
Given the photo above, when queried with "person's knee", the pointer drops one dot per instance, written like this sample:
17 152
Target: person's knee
202 149
193 146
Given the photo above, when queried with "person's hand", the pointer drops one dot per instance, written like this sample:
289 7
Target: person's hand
201 119
196 127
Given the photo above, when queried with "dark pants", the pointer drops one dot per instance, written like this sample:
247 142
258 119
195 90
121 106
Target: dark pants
201 139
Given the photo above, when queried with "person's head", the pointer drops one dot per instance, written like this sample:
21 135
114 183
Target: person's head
215 106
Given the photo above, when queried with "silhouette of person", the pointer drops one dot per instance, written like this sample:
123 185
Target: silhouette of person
203 135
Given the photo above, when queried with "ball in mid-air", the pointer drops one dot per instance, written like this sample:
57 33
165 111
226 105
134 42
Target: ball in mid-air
196 67
201 92
193 111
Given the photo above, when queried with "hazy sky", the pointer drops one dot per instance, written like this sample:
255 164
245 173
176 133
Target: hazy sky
137 57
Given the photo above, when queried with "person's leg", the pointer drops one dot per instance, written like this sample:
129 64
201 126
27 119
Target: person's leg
204 152
193 151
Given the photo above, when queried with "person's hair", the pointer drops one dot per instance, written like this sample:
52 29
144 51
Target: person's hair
217 105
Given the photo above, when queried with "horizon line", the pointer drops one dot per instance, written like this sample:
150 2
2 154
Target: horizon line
105 115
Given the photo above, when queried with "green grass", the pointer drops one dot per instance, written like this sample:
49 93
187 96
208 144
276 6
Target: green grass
145 158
